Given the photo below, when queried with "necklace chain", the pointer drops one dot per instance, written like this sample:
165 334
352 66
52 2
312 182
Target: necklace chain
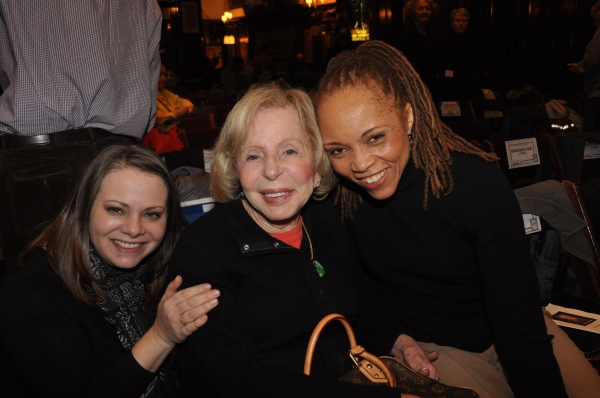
309 241
318 266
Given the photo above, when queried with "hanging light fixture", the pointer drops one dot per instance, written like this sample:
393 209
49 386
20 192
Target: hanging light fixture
228 38
226 17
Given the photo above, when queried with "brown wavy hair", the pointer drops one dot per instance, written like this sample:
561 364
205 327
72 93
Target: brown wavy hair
67 238
382 69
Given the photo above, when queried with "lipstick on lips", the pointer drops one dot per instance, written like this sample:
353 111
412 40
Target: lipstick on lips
127 247
374 181
276 196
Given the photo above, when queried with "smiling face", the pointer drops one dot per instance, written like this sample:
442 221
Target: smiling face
367 142
460 22
422 11
128 218
276 169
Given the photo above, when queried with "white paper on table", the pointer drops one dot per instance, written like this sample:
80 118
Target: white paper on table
532 223
209 158
591 151
522 153
575 319
451 108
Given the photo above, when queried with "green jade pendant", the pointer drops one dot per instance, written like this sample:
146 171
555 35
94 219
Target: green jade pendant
319 268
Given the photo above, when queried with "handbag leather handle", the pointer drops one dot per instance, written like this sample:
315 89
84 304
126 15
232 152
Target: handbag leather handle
312 343
355 349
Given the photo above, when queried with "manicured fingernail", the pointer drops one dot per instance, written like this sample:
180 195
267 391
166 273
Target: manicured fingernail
206 286
213 302
215 293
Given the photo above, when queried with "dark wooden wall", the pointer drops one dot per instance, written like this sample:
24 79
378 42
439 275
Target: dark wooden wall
522 41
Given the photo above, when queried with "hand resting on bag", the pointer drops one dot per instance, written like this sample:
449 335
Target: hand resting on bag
419 360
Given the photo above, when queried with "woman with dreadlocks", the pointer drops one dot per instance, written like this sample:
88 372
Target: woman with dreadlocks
439 228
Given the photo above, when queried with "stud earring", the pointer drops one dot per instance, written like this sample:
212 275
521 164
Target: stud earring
410 139
317 184
242 195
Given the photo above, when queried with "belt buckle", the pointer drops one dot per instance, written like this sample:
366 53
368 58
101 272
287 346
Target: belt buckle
43 139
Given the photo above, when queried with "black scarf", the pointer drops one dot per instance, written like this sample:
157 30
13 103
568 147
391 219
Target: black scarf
123 306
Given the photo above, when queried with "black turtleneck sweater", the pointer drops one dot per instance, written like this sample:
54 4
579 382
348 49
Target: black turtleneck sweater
459 273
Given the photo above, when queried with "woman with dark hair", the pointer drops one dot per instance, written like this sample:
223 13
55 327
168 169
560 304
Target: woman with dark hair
439 228
73 320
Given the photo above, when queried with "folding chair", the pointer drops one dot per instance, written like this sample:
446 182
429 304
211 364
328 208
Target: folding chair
529 100
587 274
466 112
550 167
488 108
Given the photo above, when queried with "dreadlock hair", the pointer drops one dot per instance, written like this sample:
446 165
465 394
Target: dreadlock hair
380 68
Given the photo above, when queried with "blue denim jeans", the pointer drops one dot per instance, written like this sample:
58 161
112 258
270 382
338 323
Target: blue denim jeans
35 182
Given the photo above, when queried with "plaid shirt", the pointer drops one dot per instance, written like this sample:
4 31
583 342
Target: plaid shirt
67 64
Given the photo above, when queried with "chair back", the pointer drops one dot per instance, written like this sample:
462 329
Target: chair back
489 108
197 123
202 138
587 274
477 132
550 167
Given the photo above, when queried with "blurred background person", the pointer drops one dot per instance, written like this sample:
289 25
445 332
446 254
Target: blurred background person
589 67
164 137
425 51
460 74
232 80
299 74
264 73
173 81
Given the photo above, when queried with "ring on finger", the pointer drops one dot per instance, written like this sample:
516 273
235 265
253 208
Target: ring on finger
181 319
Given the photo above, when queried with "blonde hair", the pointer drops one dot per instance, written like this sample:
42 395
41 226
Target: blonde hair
225 181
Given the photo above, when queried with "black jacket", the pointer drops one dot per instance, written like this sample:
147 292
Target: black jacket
52 345
271 299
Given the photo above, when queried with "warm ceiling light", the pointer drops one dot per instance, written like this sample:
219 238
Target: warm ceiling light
226 17
229 39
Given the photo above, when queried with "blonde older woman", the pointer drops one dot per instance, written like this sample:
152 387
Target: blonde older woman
281 261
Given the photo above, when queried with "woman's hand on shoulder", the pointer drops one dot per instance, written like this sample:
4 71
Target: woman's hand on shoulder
419 360
180 313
